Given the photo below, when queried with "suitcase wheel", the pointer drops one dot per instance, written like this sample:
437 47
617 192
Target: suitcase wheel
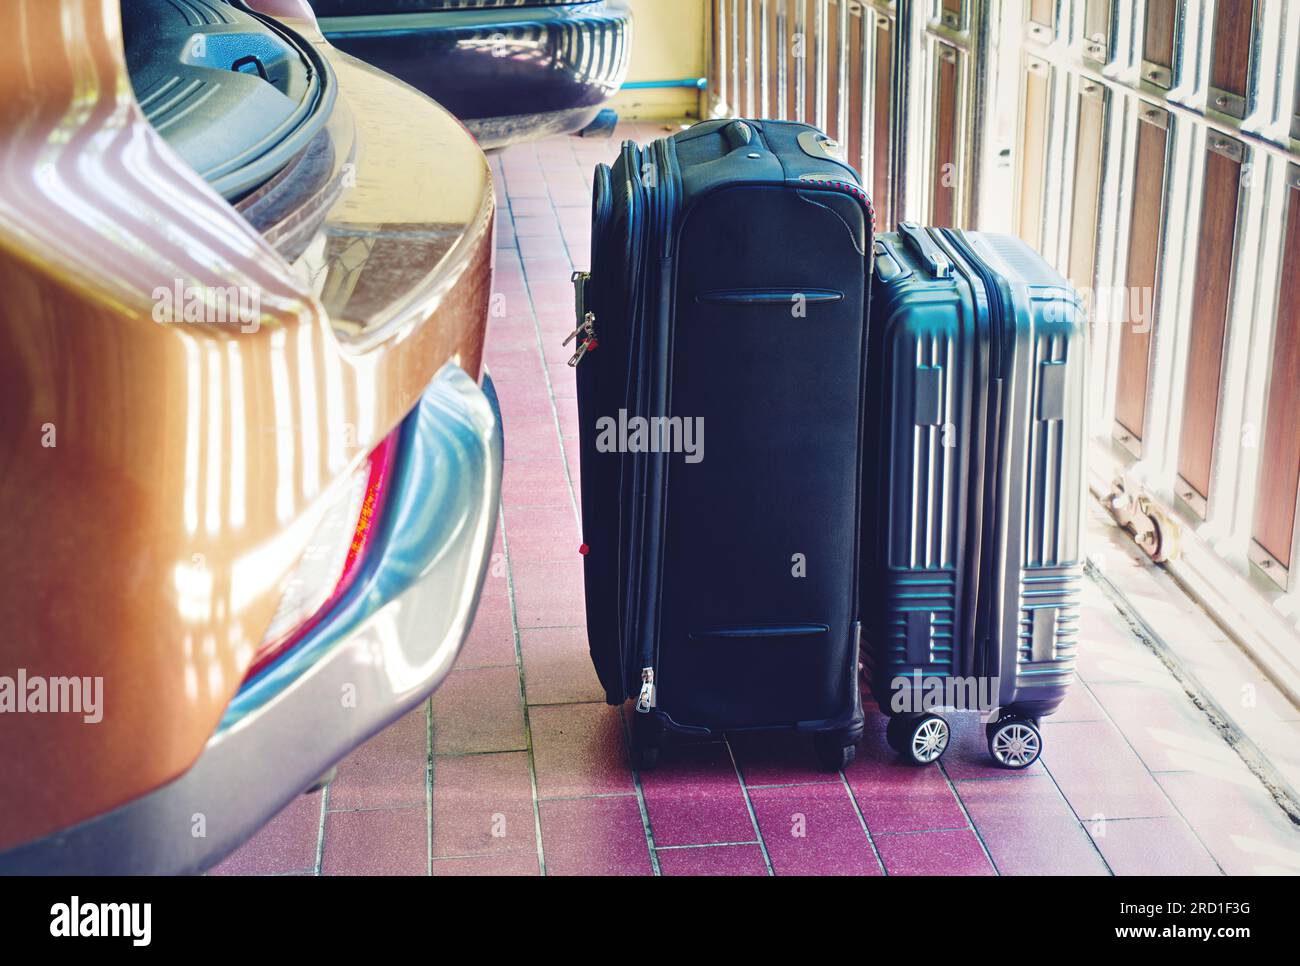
919 738
647 738
896 731
834 749
1014 742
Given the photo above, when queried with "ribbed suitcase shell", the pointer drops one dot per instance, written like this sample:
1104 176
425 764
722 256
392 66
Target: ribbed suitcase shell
702 244
978 353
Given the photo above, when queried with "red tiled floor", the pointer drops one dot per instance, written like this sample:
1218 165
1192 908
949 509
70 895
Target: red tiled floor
549 594
1167 731
1079 705
526 188
530 399
285 844
534 246
556 353
535 482
1099 773
515 864
383 841
1237 820
542 533
491 640
565 389
594 836
1152 846
813 830
951 852
713 860
508 338
516 358
528 207
532 438
388 771
568 416
1029 828
557 666
694 797
1110 655
477 710
896 796
545 226
781 758
483 804
579 749
571 457
1126 742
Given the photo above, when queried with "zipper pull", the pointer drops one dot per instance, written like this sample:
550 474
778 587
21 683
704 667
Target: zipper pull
646 700
589 341
587 325
583 348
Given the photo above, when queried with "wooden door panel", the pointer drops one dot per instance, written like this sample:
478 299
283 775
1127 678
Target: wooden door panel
1033 149
773 50
718 51
747 72
1158 41
796 57
1040 16
736 42
952 14
1295 120
816 27
1279 471
882 118
1145 232
833 55
946 167
1213 282
1085 203
856 93
1096 30
1230 56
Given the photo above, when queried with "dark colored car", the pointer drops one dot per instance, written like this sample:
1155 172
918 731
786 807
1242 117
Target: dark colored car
511 70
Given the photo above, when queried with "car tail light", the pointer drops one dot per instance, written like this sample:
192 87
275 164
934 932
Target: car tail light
332 559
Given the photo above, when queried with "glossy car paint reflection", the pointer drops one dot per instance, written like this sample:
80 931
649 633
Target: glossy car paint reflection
149 545
510 73
392 638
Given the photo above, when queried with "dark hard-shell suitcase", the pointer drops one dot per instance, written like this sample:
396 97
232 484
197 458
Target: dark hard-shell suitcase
728 292
972 543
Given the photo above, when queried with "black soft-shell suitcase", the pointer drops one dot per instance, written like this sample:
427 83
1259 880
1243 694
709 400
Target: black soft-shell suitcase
971 566
720 356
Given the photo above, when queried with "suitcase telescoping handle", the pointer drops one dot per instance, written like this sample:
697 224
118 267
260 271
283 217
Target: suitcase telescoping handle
919 240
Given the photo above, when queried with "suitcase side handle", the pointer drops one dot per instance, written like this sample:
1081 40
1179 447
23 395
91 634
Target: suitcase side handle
919 240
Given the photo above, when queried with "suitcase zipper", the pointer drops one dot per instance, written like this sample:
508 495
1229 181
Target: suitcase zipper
630 494
663 217
587 326
646 699
990 566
